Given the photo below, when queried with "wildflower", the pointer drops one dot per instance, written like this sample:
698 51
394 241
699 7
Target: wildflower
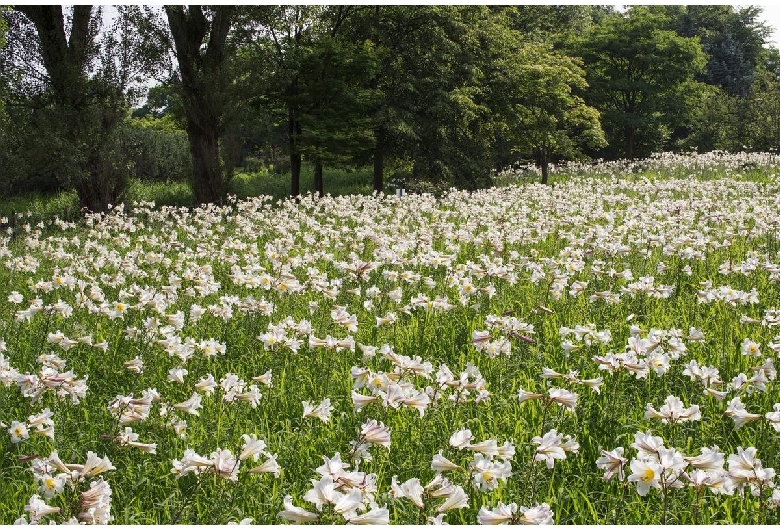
359 401
774 417
647 445
524 396
411 489
376 433
710 459
225 464
549 448
563 398
265 379
190 406
716 481
541 514
252 448
488 448
136 365
96 503
439 463
646 474
333 467
42 422
455 500
37 508
176 375
593 384
94 466
461 439
750 348
323 492
673 411
612 462
321 411
487 473
251 396
375 516
419 401
747 470
503 513
18 432
269 466
52 485
295 514
737 412
128 437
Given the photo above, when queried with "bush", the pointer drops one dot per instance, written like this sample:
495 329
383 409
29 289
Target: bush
157 153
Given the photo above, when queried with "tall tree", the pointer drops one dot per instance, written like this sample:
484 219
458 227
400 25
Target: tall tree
313 79
289 36
732 38
63 68
430 117
641 78
200 39
542 113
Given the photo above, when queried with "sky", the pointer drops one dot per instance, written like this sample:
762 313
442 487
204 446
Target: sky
770 15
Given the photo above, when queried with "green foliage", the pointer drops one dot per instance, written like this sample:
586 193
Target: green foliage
435 96
69 117
158 149
637 71
546 118
163 102
741 123
554 24
732 37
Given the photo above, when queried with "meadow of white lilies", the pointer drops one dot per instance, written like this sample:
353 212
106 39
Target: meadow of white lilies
600 351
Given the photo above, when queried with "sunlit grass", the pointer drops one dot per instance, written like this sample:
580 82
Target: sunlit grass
170 286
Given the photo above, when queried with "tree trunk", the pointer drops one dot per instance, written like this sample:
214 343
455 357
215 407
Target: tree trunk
318 184
203 81
543 163
207 185
295 170
81 108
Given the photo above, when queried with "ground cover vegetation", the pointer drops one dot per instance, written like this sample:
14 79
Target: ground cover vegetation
93 99
599 350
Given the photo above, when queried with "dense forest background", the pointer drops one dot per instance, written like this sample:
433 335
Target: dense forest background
93 97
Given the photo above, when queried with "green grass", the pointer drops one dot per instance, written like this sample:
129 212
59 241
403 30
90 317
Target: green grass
161 261
34 207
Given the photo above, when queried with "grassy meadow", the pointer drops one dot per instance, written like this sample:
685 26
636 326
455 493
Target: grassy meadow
598 351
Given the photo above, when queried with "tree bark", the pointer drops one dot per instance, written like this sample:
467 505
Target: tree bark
202 80
65 60
207 185
295 171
